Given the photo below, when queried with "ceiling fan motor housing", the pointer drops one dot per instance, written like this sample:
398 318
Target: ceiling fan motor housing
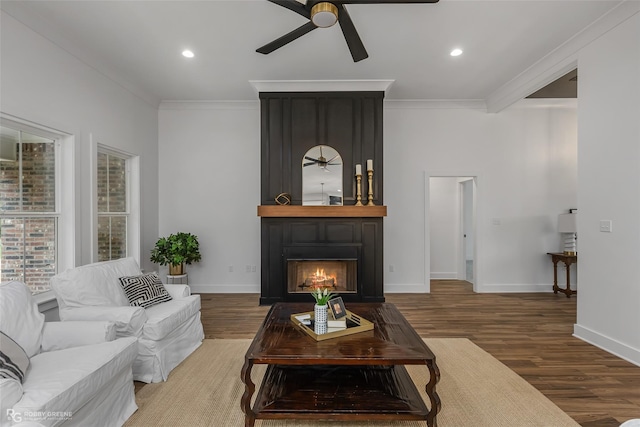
324 14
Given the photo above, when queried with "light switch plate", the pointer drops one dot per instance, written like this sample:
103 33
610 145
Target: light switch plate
606 226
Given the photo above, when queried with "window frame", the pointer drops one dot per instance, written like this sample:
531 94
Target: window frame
64 210
132 179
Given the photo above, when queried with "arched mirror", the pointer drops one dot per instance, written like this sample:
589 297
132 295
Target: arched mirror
322 177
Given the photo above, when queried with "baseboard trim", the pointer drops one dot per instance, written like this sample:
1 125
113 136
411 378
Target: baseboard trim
438 275
403 288
391 288
516 288
607 344
225 289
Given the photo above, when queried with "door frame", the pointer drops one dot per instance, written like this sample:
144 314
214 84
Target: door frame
477 270
462 262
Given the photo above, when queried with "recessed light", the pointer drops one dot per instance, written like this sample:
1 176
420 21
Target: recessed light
188 54
456 52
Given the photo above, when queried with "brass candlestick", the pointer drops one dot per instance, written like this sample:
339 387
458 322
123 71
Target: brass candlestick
370 174
359 190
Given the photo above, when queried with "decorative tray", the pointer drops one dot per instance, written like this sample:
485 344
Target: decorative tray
355 325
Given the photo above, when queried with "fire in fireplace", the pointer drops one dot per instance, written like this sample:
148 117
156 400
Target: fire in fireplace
340 276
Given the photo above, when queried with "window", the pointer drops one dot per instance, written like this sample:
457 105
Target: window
113 205
29 204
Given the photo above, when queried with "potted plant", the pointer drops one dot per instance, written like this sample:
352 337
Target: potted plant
176 251
322 297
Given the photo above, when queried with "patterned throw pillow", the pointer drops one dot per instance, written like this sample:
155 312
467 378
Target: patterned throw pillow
145 291
13 359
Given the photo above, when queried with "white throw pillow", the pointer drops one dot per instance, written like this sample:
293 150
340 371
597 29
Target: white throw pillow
20 318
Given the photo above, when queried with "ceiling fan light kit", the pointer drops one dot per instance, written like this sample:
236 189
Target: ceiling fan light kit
323 14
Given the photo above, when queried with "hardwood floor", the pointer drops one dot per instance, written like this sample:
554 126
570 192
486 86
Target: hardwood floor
530 333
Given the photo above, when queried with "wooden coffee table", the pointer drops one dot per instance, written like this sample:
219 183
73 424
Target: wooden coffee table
359 376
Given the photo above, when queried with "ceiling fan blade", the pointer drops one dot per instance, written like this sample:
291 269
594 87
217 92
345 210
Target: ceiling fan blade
333 158
356 47
295 6
309 164
287 38
310 158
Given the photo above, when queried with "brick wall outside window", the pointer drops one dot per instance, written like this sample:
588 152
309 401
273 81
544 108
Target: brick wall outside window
112 207
29 243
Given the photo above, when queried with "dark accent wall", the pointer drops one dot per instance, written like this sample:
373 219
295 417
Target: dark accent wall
291 124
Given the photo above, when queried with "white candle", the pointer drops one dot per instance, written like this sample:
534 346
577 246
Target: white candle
369 165
358 169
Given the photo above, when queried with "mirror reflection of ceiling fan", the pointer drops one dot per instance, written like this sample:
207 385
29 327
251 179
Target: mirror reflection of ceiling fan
321 161
324 14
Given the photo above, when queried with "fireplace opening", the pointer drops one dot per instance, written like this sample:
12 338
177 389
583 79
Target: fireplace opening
340 276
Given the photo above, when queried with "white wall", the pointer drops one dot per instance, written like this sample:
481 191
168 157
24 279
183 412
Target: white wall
44 84
210 186
609 159
524 157
525 162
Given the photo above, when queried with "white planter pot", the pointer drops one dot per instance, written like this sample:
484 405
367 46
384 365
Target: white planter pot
320 314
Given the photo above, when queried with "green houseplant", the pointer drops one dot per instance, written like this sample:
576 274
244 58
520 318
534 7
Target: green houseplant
176 251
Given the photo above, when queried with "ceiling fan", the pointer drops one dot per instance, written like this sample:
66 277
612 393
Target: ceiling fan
324 14
321 161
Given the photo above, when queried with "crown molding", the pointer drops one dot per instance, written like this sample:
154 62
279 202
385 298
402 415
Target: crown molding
320 85
21 12
560 61
209 105
440 104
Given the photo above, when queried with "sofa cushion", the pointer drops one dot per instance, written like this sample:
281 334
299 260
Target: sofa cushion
94 284
70 378
145 290
13 359
20 318
164 318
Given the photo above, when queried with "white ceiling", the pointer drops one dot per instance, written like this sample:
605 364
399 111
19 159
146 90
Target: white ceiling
138 43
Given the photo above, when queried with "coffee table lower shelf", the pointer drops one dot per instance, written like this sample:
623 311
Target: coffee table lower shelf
331 392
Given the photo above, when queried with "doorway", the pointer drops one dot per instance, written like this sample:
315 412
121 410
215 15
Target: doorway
452 228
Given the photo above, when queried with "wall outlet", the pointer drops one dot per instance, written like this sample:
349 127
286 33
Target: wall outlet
392 268
231 269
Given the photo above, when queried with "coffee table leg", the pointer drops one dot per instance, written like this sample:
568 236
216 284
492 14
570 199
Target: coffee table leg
434 377
249 388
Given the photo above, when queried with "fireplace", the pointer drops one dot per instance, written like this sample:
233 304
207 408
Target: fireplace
339 276
298 242
296 250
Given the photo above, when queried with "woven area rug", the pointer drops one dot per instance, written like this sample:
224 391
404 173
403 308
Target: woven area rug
476 390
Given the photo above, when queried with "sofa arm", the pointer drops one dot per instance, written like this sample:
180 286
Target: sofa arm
178 291
10 394
128 320
61 335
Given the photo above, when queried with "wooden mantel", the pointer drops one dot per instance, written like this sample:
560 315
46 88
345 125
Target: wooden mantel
297 211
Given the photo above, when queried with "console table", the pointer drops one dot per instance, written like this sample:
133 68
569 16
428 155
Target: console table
567 260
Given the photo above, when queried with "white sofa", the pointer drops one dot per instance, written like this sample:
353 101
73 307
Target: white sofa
74 373
167 333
